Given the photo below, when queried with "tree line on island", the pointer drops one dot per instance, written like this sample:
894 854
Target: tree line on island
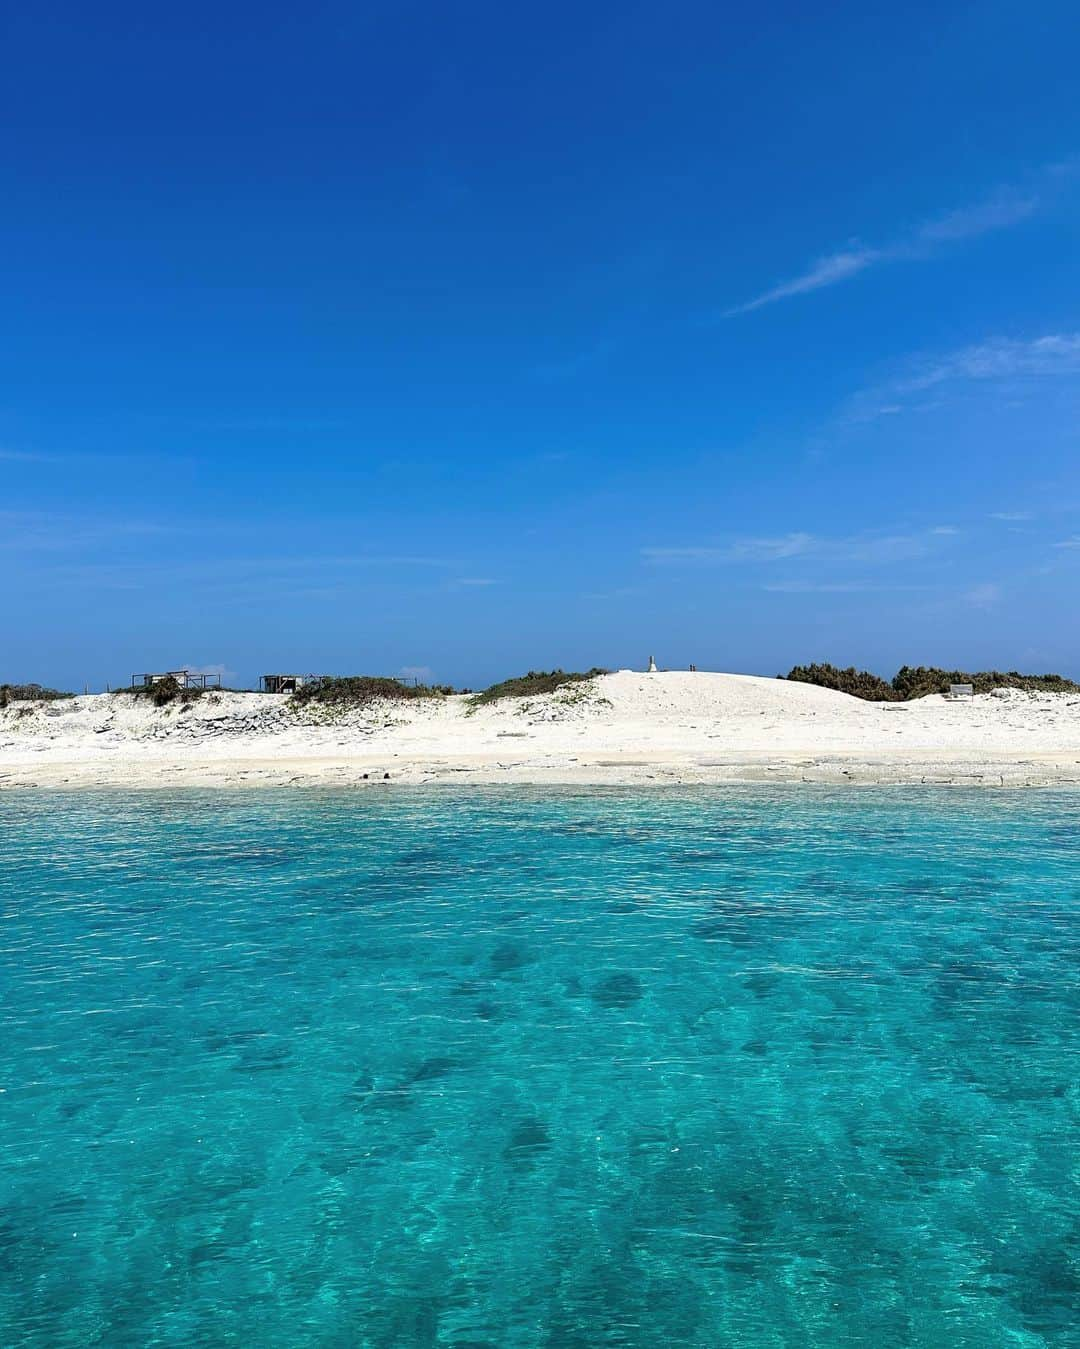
329 691
918 681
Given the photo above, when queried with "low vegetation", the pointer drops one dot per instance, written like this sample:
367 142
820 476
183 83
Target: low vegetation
859 683
358 690
917 681
533 684
167 690
29 693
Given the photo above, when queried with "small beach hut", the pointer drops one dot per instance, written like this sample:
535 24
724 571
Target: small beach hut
282 683
187 679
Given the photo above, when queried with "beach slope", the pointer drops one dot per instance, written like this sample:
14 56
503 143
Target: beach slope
669 727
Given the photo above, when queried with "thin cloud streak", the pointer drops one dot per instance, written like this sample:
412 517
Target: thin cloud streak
1001 211
226 675
739 550
865 548
838 588
43 530
826 271
983 596
1000 359
238 575
91 458
40 531
983 218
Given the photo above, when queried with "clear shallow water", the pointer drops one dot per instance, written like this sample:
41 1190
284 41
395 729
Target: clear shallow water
715 1068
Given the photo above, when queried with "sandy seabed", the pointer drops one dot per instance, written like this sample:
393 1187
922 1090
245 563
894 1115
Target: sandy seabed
669 727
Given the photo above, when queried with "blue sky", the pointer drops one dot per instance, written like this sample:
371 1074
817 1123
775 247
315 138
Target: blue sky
472 338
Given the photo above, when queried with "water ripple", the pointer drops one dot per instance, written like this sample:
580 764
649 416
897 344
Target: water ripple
539 1068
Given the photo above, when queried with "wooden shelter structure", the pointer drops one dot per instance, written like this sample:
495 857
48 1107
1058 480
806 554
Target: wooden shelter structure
187 679
282 683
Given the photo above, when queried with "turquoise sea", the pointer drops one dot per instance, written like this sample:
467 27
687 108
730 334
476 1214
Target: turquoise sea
398 1068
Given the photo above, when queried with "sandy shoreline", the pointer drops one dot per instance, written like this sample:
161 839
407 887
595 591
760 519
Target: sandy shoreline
671 728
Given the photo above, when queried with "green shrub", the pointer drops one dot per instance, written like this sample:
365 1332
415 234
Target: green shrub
912 682
917 681
358 690
859 683
534 683
16 693
165 691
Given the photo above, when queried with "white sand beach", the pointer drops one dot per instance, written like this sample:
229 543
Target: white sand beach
665 728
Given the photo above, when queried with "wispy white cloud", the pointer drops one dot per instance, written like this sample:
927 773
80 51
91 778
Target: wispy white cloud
983 596
1074 542
618 593
997 213
226 675
260 424
825 271
738 550
90 459
836 588
134 556
1011 517
868 548
1005 208
1001 361
1001 358
42 531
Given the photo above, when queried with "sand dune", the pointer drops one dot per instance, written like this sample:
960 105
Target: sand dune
670 727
